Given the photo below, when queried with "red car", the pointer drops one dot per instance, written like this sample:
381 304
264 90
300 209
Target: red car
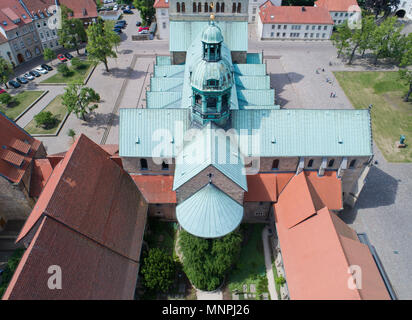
2 91
143 28
62 58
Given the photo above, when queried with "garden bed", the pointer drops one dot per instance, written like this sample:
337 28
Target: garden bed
77 75
21 102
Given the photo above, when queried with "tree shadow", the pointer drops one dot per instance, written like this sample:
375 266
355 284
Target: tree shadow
278 81
123 73
379 191
101 120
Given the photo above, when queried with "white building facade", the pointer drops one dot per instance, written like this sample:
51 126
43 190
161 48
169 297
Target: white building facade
162 18
341 10
404 9
254 8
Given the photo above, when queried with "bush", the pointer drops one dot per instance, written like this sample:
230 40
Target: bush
45 119
280 281
9 270
76 62
63 69
71 133
158 270
5 99
206 261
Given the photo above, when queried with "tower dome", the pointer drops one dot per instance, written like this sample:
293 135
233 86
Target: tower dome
212 76
212 34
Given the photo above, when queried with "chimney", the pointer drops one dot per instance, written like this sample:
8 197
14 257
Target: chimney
303 9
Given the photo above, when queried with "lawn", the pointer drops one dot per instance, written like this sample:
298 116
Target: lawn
56 108
161 235
76 74
250 268
391 116
21 101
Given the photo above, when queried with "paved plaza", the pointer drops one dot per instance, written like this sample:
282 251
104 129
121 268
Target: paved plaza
302 77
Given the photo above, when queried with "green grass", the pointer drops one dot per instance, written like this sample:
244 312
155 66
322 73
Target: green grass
76 74
11 267
56 108
21 101
162 235
251 264
391 116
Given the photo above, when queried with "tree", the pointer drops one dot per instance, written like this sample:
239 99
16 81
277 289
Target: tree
381 37
158 270
72 33
146 10
71 133
341 37
405 73
77 99
45 119
100 42
63 69
6 71
76 62
361 37
49 54
206 261
5 99
381 6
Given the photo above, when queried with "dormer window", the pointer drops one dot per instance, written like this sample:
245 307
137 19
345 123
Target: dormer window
212 83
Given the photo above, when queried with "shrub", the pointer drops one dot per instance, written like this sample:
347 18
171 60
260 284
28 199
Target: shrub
63 69
71 133
8 272
45 119
76 62
5 99
280 281
206 261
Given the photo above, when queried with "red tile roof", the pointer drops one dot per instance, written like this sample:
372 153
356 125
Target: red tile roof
12 10
13 142
261 187
270 13
317 254
156 189
90 220
82 9
42 170
89 270
161 4
326 190
37 6
338 5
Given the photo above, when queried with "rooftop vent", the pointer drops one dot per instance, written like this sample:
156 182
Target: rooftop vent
137 140
272 17
5 23
303 9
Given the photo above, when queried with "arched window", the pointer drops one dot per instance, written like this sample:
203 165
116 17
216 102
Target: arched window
222 7
275 164
206 7
218 7
310 163
194 6
199 7
198 99
183 7
234 7
143 164
239 7
165 166
352 163
331 162
178 6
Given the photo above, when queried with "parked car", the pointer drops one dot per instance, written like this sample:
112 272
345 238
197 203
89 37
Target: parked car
14 84
144 31
41 70
46 67
61 57
34 73
122 21
127 11
138 24
68 55
143 28
22 80
28 76
116 7
119 26
118 31
2 91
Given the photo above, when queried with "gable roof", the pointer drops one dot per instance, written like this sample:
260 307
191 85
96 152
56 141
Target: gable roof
34 7
324 247
11 15
17 150
161 4
82 9
210 147
261 187
91 194
270 13
156 189
42 170
338 5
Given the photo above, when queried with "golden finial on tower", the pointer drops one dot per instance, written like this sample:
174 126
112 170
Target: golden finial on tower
212 17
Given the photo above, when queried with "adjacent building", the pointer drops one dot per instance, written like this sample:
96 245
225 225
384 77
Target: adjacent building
254 8
5 50
294 22
162 18
341 10
85 10
404 9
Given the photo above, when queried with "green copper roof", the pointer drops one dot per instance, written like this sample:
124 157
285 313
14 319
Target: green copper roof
183 34
209 213
163 60
156 99
250 69
252 82
212 34
163 71
166 84
254 58
204 71
210 147
300 133
256 97
152 132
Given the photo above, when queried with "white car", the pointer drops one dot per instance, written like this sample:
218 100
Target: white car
115 8
28 76
41 70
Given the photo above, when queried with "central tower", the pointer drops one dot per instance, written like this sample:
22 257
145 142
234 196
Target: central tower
211 80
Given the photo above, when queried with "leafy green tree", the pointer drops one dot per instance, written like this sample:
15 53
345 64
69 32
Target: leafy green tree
49 54
9 270
6 71
76 62
71 133
78 98
206 261
146 10
381 38
45 119
72 33
158 270
405 73
100 42
63 69
5 99
361 37
341 38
